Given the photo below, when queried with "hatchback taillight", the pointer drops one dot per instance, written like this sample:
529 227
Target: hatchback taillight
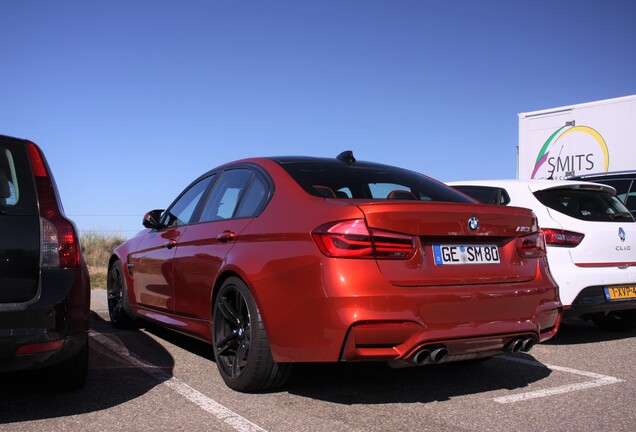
352 239
559 237
531 246
59 245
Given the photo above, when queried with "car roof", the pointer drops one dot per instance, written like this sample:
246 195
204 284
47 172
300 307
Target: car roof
536 185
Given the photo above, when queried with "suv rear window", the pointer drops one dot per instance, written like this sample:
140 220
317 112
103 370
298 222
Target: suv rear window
588 205
363 180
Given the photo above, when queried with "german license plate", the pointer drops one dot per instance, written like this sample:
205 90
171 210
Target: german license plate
620 292
465 254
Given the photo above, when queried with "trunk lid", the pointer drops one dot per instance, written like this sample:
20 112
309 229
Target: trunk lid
448 251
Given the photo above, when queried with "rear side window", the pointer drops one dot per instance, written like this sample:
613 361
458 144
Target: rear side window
254 198
238 193
9 185
363 180
17 188
588 205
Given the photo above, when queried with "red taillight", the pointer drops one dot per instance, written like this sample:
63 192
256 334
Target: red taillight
559 237
352 239
59 245
531 246
39 347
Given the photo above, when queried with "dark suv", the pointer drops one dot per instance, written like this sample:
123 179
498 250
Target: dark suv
44 283
623 181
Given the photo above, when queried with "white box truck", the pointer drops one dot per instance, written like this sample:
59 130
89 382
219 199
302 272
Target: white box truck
588 138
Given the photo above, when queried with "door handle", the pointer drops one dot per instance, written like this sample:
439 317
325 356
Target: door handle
170 244
226 236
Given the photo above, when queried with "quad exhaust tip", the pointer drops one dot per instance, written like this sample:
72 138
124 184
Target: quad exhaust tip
435 354
520 345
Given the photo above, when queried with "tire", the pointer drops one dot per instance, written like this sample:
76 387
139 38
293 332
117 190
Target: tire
70 374
617 321
118 304
241 347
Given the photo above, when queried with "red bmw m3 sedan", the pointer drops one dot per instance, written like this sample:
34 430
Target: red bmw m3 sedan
282 260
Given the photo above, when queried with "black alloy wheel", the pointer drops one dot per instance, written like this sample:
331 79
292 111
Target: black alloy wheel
241 347
232 331
117 294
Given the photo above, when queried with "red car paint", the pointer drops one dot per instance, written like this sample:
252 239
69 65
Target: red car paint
320 308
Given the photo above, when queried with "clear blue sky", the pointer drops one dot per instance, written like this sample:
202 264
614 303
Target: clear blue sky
132 100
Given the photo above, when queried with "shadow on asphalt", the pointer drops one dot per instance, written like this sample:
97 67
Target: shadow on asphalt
194 346
376 383
111 380
576 331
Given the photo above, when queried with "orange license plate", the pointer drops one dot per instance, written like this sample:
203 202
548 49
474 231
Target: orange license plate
621 292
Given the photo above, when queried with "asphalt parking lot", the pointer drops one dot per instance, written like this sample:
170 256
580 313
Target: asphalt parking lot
152 379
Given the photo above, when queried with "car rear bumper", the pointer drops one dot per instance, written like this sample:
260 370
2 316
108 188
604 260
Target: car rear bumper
573 281
355 314
50 330
592 300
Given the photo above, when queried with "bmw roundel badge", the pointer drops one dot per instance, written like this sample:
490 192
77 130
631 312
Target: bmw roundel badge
473 223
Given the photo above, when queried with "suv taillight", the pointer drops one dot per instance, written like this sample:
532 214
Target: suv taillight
532 245
352 239
559 237
59 245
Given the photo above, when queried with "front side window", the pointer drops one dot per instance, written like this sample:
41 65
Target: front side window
183 209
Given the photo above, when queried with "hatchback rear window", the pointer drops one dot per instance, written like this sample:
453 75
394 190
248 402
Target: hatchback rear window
364 180
588 205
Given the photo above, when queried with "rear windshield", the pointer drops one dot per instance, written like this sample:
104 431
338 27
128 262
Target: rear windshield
368 181
588 205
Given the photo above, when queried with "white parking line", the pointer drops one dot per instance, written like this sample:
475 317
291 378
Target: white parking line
598 380
224 414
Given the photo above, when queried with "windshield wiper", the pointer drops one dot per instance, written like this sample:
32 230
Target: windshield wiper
620 215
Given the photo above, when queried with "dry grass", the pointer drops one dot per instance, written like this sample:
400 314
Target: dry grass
97 248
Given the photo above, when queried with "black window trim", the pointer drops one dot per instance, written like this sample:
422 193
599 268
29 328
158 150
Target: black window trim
196 214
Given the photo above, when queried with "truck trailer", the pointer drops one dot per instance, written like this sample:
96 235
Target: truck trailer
576 140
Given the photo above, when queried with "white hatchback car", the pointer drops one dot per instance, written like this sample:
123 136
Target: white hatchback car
591 239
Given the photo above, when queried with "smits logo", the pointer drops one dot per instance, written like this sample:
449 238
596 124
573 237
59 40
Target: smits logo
561 158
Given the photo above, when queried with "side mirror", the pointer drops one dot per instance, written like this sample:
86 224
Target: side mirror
152 219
